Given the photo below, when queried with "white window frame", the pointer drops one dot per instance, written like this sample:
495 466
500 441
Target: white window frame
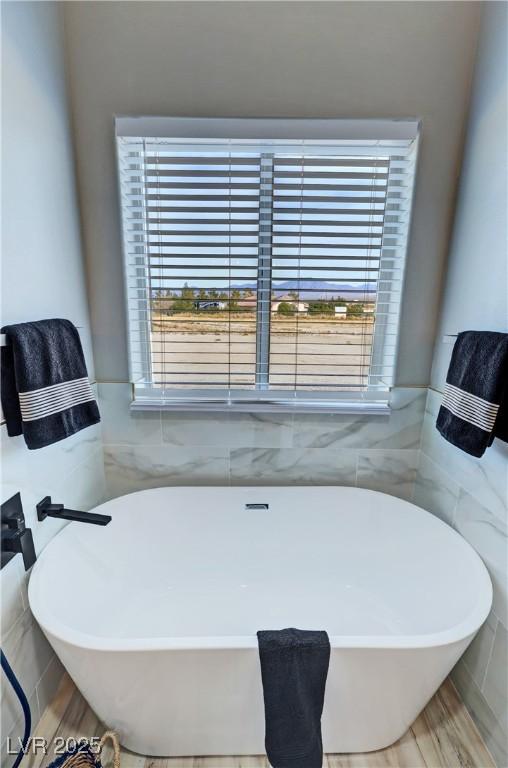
370 132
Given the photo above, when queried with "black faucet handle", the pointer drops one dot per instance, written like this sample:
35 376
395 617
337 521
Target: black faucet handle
16 537
27 548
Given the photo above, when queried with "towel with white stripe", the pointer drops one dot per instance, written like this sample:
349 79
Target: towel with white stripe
46 393
53 399
475 401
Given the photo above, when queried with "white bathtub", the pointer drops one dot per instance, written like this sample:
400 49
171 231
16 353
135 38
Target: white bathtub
155 615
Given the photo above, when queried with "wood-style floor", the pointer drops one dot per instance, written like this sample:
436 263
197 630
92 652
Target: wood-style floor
443 736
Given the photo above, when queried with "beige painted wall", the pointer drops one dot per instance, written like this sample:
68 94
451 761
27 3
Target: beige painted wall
41 245
304 59
476 286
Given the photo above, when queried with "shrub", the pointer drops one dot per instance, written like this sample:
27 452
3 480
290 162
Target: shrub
354 310
286 309
321 308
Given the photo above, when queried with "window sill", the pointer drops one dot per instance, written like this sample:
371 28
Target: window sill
370 408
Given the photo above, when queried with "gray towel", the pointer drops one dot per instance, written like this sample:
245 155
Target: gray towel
46 394
294 667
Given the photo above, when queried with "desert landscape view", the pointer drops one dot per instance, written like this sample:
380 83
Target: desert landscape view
219 350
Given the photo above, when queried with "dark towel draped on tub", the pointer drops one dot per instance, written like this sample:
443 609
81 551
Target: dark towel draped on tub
46 394
294 667
475 401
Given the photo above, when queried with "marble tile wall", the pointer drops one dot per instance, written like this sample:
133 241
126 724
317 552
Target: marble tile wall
148 449
471 495
71 471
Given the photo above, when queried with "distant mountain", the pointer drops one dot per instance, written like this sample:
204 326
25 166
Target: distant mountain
318 289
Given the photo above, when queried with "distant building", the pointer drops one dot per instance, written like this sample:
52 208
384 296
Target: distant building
301 306
207 304
340 311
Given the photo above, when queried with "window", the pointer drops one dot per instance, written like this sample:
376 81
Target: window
264 260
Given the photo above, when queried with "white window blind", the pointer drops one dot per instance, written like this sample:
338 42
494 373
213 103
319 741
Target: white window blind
264 272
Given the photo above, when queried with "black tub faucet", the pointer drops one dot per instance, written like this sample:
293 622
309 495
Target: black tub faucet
16 537
46 509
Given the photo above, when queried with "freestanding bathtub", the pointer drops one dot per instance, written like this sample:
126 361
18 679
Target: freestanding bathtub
155 615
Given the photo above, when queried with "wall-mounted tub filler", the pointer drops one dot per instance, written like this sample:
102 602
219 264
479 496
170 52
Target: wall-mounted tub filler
46 509
16 537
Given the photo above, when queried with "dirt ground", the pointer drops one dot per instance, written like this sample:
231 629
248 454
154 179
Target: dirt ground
220 350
